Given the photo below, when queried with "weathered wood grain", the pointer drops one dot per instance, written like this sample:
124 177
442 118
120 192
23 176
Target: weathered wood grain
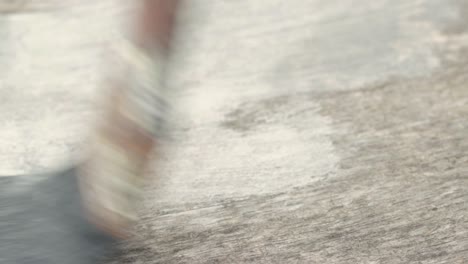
304 132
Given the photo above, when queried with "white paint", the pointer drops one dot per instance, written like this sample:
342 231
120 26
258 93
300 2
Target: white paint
208 161
49 73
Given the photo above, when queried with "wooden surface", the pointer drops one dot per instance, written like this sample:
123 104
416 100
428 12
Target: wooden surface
304 131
